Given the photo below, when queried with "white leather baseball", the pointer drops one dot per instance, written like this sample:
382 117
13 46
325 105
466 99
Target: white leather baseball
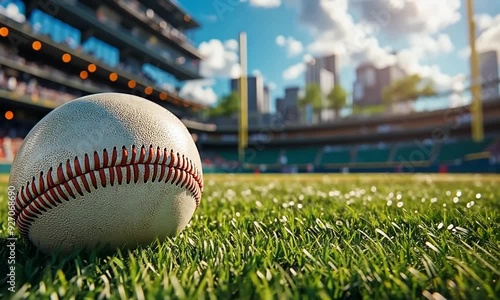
106 169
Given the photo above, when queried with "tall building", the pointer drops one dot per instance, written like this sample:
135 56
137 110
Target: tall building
279 106
371 81
255 93
323 71
489 74
266 105
290 104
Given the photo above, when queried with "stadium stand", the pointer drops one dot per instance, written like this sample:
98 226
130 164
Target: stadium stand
336 156
458 150
414 152
266 156
228 155
372 154
302 155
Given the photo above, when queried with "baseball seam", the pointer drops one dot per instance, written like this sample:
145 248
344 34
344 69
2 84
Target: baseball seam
82 176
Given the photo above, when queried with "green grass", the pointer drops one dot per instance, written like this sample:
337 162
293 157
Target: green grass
299 237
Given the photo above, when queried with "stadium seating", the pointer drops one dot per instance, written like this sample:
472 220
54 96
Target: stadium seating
340 156
457 150
266 156
302 155
372 155
228 155
414 152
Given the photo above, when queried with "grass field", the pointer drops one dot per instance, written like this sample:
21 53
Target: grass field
299 237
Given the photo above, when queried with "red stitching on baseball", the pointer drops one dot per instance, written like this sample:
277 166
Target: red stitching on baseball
43 193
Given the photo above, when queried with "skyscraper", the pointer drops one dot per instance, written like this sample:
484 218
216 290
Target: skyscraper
289 104
323 71
371 81
279 106
489 74
321 68
255 93
266 104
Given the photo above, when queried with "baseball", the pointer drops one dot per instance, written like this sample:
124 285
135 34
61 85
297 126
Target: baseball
106 169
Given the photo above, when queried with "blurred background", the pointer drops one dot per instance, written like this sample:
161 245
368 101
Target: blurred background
272 85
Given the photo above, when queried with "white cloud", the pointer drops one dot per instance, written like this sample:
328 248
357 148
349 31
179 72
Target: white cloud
410 16
488 38
281 41
307 58
272 86
409 61
426 46
335 31
200 91
256 73
220 59
265 3
485 21
12 11
293 47
231 45
294 71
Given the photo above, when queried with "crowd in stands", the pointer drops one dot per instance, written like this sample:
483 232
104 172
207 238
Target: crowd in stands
8 148
10 141
60 32
26 85
23 84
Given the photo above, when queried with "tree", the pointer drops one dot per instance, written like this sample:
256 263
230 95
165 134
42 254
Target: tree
337 99
312 97
227 106
409 88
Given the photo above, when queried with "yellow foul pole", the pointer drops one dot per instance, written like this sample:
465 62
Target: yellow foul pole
476 106
243 90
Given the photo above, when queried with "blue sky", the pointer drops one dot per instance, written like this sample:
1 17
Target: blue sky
430 37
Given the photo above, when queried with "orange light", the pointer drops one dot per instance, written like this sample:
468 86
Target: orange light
36 45
92 68
9 115
148 90
163 96
4 31
66 57
84 74
131 84
187 18
113 76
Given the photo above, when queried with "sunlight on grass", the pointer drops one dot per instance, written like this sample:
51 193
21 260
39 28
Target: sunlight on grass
319 236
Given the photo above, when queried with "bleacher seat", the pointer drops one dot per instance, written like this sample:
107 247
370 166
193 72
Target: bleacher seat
336 156
266 156
413 152
302 155
228 155
372 155
459 149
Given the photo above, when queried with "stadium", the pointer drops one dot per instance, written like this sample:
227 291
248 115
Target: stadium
399 204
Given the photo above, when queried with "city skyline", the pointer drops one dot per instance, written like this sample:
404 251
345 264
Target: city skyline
432 42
